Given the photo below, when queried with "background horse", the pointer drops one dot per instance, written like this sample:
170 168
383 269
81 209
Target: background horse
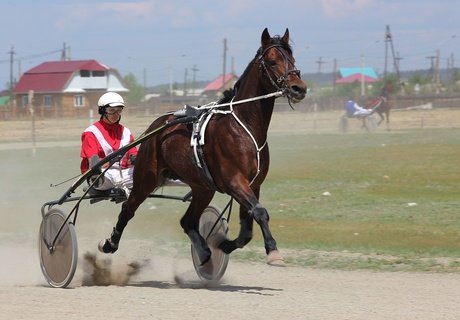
236 153
381 104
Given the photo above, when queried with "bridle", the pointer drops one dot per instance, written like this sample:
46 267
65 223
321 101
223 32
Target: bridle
279 81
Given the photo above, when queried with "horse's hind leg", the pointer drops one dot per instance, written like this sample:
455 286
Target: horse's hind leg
244 236
191 220
381 118
388 120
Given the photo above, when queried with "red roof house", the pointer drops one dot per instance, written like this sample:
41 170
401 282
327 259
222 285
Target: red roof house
356 78
65 88
220 84
350 75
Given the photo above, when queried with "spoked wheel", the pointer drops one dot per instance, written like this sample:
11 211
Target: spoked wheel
214 233
59 261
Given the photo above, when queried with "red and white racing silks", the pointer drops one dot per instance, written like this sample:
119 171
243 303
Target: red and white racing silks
102 139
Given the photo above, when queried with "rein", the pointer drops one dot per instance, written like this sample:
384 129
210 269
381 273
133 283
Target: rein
215 105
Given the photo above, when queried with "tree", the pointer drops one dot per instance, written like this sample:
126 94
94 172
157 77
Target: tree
136 91
420 81
454 82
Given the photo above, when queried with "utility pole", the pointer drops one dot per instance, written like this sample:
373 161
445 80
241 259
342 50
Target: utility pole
194 70
431 65
65 56
144 76
30 105
19 69
363 79
185 81
389 42
437 77
334 74
224 64
11 52
320 62
397 59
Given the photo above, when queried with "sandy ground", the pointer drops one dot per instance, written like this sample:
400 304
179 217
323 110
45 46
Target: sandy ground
167 286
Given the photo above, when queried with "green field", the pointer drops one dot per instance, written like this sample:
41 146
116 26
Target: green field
390 194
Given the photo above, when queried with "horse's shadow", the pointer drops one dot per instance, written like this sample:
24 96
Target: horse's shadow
212 286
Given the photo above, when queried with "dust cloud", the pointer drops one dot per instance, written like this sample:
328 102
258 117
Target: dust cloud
101 272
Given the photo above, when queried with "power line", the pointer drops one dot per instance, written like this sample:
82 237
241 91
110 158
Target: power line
32 56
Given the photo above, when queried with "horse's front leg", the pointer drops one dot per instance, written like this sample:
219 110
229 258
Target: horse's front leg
260 214
251 209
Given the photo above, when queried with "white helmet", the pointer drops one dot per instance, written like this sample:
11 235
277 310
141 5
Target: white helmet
110 99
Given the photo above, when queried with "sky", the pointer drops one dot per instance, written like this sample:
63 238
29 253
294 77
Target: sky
162 41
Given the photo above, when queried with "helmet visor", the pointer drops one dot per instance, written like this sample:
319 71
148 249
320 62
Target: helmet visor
114 110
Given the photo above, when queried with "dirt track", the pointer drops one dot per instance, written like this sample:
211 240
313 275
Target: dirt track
168 288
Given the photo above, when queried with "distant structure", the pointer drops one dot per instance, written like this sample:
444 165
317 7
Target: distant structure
65 88
350 75
215 88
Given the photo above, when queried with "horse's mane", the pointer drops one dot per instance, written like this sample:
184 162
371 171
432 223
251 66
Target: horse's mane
230 93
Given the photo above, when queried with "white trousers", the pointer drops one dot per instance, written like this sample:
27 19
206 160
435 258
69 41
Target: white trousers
361 112
116 178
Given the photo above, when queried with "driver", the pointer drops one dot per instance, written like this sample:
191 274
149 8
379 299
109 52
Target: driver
105 137
354 110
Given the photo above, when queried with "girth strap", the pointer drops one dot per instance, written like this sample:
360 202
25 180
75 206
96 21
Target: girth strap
197 141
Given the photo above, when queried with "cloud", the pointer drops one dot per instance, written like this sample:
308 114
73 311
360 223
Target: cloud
335 9
121 13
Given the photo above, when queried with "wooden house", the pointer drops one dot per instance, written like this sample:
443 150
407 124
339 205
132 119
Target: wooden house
65 88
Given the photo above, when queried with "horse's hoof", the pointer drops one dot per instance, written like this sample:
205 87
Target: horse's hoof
205 256
227 246
274 258
105 246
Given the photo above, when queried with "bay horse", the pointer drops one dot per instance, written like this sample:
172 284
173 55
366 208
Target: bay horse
236 153
382 106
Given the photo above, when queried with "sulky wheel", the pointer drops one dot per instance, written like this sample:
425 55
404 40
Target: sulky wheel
343 124
59 261
215 268
370 123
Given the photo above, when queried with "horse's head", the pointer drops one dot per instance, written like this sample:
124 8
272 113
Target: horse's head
276 60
